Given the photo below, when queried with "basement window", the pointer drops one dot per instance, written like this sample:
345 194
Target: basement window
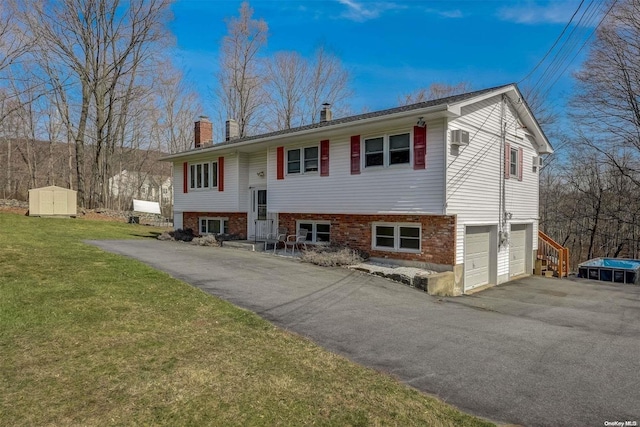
213 225
396 237
318 231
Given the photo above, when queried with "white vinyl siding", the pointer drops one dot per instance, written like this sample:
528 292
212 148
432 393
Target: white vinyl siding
375 190
210 200
245 179
177 220
475 172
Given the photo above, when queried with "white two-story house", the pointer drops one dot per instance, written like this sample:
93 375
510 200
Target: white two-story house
450 183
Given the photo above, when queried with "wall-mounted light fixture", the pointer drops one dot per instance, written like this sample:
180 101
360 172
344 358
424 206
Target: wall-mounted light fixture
421 123
260 174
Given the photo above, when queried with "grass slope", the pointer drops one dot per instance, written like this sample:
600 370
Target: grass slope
91 338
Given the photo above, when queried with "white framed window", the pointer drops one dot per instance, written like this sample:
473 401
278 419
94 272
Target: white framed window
203 175
318 231
513 161
387 150
396 237
303 160
212 225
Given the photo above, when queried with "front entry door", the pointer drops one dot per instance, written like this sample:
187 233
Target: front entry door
259 222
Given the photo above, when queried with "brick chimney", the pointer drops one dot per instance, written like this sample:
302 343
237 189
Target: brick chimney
325 113
203 132
231 130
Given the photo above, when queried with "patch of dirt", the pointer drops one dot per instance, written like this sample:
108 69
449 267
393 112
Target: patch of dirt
98 216
22 208
19 211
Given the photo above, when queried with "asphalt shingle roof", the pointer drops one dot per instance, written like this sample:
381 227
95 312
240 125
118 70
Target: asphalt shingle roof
431 103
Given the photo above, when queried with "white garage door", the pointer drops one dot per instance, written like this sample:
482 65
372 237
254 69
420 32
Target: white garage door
476 257
517 249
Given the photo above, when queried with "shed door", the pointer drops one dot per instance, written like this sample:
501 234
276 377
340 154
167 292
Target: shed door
476 257
517 249
46 202
60 202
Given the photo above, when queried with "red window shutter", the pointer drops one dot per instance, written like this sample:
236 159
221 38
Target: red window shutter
520 163
280 162
507 160
419 147
185 177
220 173
355 155
324 158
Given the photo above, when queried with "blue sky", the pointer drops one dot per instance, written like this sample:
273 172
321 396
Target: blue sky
395 47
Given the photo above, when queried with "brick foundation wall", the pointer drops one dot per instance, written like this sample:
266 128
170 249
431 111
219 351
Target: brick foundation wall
438 239
237 221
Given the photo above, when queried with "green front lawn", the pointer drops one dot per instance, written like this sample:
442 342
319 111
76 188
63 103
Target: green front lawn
91 338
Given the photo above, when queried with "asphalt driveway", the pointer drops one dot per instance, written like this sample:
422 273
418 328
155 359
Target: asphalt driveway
536 352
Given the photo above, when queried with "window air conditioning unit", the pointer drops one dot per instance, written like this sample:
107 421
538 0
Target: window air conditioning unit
537 162
459 137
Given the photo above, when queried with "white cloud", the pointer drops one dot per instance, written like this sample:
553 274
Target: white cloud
454 13
451 13
558 12
359 12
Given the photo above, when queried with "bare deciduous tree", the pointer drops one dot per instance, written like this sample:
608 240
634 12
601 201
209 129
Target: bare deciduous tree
608 99
14 43
101 47
240 80
287 74
176 106
328 82
434 91
298 86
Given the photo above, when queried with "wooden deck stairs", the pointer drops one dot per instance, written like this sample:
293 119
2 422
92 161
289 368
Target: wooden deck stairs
552 259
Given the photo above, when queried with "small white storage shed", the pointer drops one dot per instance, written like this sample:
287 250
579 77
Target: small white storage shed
52 201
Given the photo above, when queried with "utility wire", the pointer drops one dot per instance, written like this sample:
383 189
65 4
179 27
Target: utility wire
563 57
580 50
554 44
567 47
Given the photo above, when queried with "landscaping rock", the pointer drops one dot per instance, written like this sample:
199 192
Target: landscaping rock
166 236
208 240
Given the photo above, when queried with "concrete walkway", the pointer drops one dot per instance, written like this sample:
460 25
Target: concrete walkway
536 352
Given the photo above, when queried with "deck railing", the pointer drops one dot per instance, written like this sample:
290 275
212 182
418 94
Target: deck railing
553 254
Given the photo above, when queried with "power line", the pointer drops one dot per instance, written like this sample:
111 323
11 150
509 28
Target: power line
566 46
554 44
581 47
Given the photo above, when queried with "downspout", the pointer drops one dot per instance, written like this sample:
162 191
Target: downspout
501 160
446 166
